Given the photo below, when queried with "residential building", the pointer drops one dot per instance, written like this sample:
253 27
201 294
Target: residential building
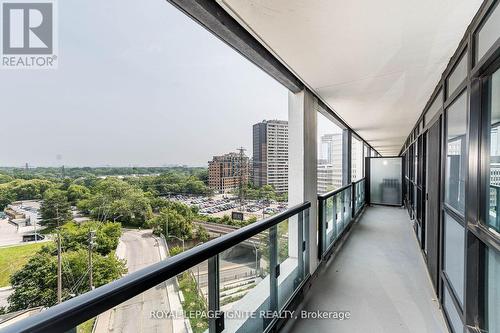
226 172
270 154
330 162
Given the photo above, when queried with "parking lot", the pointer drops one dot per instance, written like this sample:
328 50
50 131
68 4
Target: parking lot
220 205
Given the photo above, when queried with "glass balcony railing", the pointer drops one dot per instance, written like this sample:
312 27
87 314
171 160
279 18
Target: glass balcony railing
337 209
208 288
359 196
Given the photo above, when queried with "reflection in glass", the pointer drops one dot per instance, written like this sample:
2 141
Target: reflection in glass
456 154
451 311
494 165
454 244
493 291
356 159
330 150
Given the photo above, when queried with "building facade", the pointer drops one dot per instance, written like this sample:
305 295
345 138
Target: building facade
270 154
226 172
330 162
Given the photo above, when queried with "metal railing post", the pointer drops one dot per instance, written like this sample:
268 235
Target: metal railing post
215 323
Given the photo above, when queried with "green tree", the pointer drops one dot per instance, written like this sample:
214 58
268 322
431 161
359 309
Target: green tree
201 234
55 208
6 197
5 178
77 192
178 225
116 200
75 236
36 283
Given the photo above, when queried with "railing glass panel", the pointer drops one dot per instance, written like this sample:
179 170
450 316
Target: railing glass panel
239 282
336 213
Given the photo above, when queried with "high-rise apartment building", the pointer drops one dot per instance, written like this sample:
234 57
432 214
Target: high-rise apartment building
330 162
270 154
226 172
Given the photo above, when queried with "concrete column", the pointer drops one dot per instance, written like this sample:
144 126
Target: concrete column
302 169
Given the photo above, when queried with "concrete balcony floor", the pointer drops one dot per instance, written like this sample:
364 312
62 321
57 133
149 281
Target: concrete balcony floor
380 276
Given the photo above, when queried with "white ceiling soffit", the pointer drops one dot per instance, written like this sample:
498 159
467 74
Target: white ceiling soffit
376 63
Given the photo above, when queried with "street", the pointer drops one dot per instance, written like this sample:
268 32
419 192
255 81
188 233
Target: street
140 249
9 234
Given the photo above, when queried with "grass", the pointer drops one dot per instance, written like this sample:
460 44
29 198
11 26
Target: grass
86 327
231 299
193 301
13 258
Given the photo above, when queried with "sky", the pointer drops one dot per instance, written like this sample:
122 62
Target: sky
137 84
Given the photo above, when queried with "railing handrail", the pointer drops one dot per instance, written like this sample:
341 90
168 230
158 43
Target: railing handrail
330 194
496 187
358 181
69 314
327 195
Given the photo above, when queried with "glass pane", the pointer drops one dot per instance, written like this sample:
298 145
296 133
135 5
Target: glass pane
331 232
434 108
291 268
493 291
451 311
356 159
454 246
385 181
338 214
244 283
456 154
348 205
488 34
494 179
330 143
458 75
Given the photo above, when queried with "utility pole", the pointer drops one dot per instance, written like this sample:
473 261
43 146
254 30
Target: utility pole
59 259
241 176
91 246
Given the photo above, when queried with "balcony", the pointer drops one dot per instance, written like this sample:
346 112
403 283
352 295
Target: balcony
410 240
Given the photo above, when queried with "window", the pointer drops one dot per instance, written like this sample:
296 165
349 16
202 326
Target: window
452 313
330 151
434 108
493 188
488 33
356 159
458 75
454 244
492 290
456 154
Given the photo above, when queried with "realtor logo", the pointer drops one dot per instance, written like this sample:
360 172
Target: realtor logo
28 35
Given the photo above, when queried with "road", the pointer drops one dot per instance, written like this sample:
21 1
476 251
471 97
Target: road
9 234
140 249
4 294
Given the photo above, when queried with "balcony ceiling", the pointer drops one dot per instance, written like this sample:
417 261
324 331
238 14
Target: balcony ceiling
375 63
